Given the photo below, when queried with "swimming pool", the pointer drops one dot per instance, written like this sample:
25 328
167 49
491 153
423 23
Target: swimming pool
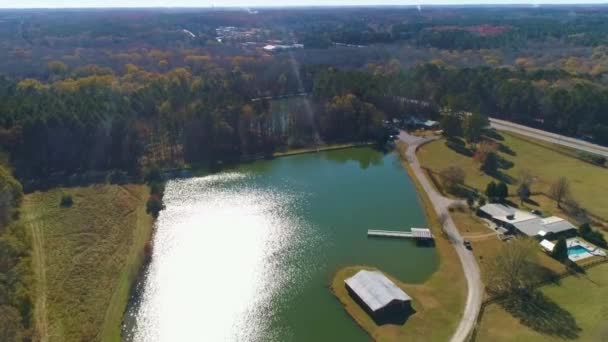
577 250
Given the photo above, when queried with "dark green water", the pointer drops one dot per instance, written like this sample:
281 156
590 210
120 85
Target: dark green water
248 254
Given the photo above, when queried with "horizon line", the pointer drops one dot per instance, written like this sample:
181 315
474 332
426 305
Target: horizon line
269 6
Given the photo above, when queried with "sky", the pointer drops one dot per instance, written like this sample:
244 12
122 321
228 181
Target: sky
254 3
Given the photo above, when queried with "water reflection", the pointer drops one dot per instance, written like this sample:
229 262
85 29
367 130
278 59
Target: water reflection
359 155
217 261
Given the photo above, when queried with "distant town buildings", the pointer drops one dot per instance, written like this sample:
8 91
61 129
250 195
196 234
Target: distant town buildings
254 37
278 48
225 33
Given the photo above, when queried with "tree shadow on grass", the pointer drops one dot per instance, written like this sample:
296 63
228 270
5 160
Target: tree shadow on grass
502 177
492 134
543 315
504 164
506 149
531 202
458 146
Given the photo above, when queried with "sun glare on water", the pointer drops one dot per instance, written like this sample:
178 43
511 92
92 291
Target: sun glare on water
214 270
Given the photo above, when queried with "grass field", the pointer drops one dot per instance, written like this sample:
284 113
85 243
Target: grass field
438 302
588 182
86 258
574 309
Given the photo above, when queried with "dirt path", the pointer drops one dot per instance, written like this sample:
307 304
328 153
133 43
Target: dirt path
467 259
478 237
39 265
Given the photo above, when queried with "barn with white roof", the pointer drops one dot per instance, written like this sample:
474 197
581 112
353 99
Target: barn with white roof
378 295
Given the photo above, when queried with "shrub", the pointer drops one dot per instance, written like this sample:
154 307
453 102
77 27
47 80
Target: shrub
157 188
148 249
593 158
153 175
592 236
66 201
154 205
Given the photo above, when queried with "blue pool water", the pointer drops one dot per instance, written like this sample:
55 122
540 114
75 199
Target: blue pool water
577 250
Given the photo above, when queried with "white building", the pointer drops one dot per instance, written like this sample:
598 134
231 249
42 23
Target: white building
524 222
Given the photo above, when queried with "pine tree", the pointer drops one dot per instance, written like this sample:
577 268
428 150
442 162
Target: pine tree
491 191
560 251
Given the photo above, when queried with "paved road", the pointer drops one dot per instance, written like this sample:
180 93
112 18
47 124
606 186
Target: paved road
469 264
582 145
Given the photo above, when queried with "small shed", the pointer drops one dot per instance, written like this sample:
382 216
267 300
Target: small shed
547 245
379 296
421 233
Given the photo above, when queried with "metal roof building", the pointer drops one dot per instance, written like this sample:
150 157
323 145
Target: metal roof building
376 293
525 222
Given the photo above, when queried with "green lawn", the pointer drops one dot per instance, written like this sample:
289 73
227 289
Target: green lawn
574 309
86 257
589 183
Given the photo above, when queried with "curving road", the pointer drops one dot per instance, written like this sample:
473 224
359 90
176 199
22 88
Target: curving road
563 140
467 259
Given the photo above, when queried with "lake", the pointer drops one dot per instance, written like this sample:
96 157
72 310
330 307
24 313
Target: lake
248 254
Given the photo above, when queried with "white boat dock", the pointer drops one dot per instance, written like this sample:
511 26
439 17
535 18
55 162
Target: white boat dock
415 233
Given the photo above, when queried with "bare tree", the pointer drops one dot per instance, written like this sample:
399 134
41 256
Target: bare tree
560 190
525 180
514 268
526 177
452 178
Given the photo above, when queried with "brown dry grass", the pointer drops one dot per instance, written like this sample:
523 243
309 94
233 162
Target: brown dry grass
90 254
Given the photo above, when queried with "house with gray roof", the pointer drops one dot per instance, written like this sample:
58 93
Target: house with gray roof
524 222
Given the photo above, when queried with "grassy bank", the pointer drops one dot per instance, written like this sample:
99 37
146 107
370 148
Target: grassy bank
438 302
588 182
295 151
86 258
573 309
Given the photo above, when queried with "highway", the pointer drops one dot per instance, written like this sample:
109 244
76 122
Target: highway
578 144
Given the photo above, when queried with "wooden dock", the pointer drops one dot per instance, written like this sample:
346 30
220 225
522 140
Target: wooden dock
414 233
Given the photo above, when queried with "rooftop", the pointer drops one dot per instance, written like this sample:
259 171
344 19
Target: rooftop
423 233
507 213
526 222
375 289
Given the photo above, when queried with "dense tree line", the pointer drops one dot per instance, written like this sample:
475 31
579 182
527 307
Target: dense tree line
109 122
549 99
16 305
